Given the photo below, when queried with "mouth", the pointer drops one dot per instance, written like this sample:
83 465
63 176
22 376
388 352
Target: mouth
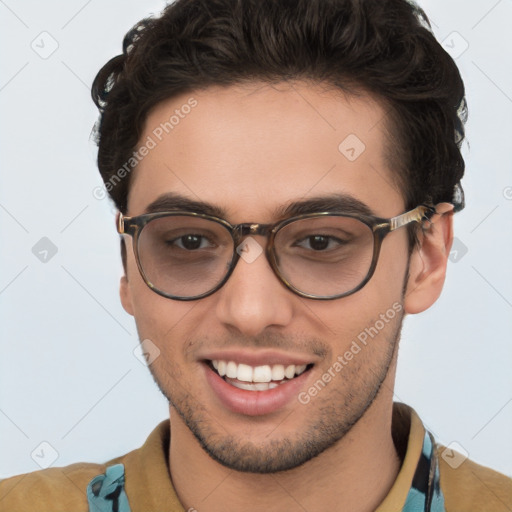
256 378
253 388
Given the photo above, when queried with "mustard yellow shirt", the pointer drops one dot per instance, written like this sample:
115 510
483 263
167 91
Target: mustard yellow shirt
467 488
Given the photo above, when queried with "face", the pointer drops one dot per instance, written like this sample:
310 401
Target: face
250 151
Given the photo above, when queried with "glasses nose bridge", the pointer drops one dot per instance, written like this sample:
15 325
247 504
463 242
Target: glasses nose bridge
240 231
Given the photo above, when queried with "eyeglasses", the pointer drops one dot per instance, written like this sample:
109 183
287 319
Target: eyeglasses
327 255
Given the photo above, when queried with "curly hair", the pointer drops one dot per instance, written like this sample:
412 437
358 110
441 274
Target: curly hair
383 47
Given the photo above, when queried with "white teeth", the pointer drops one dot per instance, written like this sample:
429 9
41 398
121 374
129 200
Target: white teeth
289 371
264 374
258 386
278 372
243 385
300 369
231 370
244 373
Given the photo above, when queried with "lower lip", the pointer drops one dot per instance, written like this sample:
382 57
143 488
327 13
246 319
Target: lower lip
254 403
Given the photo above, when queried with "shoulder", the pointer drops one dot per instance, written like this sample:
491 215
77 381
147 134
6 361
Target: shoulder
64 489
472 487
55 489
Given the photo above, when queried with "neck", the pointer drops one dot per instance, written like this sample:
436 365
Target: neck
355 474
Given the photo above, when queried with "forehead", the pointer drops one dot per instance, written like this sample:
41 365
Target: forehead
252 149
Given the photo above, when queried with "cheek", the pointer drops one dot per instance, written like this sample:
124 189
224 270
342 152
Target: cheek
381 298
391 271
161 320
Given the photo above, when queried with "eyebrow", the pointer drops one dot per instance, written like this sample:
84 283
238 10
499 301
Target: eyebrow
176 202
344 203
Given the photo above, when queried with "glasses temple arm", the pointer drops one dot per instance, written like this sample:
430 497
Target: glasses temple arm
419 214
120 223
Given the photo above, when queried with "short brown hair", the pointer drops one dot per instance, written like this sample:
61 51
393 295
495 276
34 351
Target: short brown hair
384 47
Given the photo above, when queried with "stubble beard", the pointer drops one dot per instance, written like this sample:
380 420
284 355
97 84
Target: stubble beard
331 414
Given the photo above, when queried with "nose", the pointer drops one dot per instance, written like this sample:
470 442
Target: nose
254 299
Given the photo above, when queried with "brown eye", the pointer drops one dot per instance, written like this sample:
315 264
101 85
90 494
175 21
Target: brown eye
191 242
319 242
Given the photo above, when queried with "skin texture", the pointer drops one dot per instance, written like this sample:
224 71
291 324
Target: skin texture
248 150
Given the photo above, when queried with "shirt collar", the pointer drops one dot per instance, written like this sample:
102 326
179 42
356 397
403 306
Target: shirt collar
148 485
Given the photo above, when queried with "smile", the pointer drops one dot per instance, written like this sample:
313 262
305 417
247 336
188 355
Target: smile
256 378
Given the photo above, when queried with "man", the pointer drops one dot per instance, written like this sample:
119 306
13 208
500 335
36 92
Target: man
286 175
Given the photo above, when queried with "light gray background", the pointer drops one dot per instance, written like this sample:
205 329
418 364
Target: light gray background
68 373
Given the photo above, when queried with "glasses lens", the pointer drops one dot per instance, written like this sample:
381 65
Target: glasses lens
324 256
184 256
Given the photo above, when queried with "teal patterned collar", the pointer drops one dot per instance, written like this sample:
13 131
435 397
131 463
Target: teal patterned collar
425 494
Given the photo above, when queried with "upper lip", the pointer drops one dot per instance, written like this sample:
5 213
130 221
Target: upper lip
258 358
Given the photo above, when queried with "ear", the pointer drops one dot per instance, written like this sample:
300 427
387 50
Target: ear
427 266
126 295
124 286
